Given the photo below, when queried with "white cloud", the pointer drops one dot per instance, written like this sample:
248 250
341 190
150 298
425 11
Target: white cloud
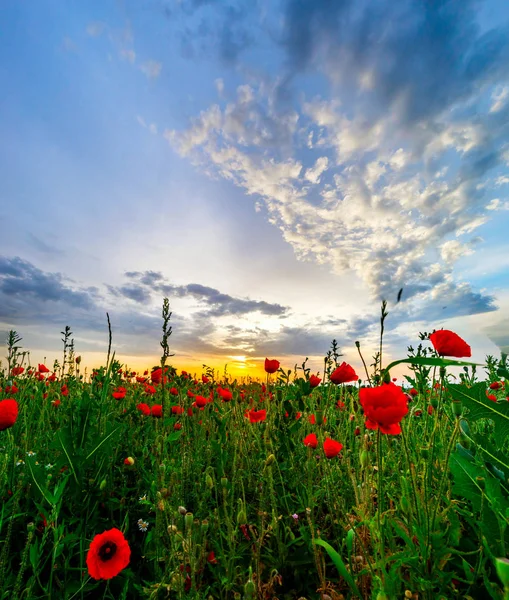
314 173
95 29
128 54
499 97
151 69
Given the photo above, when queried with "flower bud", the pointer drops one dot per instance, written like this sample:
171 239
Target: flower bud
364 458
182 510
209 481
457 408
103 485
188 521
408 594
224 482
204 526
270 460
129 461
172 529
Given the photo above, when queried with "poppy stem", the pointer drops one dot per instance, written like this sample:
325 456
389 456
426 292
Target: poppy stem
380 501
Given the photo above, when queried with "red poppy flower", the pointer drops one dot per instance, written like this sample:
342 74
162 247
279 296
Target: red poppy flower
271 366
8 413
64 390
109 553
204 379
314 381
491 397
190 394
384 407
311 441
119 393
143 408
211 558
430 410
448 343
42 369
177 426
200 401
56 402
226 395
141 379
331 448
17 371
312 419
174 391
52 377
177 410
255 416
496 385
157 410
150 390
413 392
343 374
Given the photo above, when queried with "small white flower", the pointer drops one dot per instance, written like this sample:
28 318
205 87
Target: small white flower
49 466
143 525
30 453
143 498
20 462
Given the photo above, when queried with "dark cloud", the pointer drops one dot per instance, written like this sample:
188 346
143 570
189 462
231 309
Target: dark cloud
24 284
219 304
422 55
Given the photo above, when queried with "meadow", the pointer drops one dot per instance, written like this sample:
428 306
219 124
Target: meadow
334 485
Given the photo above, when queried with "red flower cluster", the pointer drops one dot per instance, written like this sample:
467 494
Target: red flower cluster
109 553
255 416
119 393
448 343
343 374
384 407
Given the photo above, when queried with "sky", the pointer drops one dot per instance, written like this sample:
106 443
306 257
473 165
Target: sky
275 168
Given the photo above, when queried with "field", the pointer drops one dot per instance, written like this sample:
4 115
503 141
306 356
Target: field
161 484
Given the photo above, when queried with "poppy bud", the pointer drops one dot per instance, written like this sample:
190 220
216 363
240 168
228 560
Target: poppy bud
204 526
405 506
224 482
387 377
188 520
241 515
457 408
382 596
182 510
103 485
209 482
364 459
443 372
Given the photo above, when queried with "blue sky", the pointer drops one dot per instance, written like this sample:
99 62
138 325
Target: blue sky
274 168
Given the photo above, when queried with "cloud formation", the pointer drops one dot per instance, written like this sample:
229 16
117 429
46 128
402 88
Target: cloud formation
392 177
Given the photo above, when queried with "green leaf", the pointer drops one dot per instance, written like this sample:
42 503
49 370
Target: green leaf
480 407
340 566
432 362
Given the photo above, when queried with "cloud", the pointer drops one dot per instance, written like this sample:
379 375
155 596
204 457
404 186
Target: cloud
151 69
95 29
218 304
390 178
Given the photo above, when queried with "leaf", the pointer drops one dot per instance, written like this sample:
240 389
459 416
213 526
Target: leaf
340 565
432 362
173 437
480 407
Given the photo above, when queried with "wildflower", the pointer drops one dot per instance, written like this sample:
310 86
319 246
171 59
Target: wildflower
119 393
30 453
496 385
413 392
211 558
20 462
177 427
205 379
312 419
295 516
314 381
491 397
190 394
384 407
64 390
226 395
49 466
331 448
271 366
143 525
143 408
430 410
56 402
141 379
8 413
177 410
42 369
150 390
200 401
157 410
343 374
109 553
129 461
255 416
17 371
311 441
448 343
174 391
